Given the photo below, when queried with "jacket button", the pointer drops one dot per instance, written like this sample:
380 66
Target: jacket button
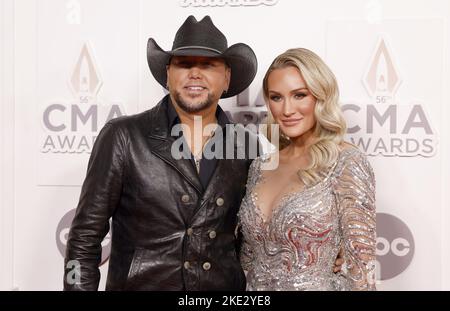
206 266
187 265
185 198
212 234
220 201
190 231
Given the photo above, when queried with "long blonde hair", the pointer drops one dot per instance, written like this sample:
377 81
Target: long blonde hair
330 124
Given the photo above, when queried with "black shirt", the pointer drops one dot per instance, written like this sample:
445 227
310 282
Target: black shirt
207 166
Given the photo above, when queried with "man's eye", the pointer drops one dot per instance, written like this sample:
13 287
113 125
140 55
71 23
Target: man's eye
181 64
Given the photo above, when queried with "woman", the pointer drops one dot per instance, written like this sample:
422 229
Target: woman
321 197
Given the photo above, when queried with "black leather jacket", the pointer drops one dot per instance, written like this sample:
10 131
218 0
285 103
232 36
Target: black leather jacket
167 233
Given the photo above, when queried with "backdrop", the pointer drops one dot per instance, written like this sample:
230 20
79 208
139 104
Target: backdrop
68 66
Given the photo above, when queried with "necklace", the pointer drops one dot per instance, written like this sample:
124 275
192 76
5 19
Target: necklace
198 156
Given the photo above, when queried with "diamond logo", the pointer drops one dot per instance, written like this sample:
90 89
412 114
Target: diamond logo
382 76
85 81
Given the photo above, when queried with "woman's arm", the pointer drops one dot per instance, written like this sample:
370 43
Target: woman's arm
355 190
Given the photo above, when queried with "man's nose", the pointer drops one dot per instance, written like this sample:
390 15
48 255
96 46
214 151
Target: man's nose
194 72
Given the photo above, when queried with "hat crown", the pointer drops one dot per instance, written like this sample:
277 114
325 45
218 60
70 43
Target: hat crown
202 33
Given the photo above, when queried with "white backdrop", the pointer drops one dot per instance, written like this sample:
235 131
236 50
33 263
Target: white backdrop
67 66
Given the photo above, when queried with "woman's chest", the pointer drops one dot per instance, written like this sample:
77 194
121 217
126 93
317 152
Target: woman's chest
312 213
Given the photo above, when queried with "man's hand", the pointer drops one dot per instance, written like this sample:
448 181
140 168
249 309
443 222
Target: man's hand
339 261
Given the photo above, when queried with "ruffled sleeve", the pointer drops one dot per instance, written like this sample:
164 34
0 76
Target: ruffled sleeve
355 193
246 254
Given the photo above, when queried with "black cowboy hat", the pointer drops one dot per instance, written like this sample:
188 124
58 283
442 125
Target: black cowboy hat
204 39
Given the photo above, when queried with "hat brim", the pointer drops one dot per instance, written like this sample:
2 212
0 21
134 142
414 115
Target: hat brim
240 57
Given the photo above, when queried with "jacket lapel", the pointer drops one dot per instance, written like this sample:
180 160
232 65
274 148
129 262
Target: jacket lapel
160 143
223 165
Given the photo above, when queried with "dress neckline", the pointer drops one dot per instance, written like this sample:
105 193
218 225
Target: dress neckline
289 195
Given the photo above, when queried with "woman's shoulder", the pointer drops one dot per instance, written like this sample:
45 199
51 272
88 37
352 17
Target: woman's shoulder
266 161
349 151
254 171
350 156
263 158
354 174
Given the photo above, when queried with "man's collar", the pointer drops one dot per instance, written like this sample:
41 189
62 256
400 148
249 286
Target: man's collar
222 118
172 114
173 118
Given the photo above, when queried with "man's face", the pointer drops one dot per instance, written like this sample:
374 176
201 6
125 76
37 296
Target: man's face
195 82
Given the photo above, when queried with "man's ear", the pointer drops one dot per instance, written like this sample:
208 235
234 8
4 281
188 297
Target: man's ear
228 77
167 74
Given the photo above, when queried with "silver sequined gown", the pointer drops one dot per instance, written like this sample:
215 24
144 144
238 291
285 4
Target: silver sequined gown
295 249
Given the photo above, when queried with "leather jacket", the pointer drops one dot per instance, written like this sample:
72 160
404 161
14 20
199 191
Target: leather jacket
167 232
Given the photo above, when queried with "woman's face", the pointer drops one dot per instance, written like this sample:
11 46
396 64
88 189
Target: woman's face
291 103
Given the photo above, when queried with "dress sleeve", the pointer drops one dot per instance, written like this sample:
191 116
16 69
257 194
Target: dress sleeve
355 192
246 255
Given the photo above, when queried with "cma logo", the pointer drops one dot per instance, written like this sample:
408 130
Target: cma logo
384 126
391 130
395 246
74 118
72 127
214 3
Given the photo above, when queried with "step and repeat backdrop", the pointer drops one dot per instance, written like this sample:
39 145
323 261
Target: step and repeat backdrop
79 63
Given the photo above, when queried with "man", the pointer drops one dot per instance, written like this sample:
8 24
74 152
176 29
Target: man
173 220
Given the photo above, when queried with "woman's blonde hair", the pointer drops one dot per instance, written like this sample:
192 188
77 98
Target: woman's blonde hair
330 125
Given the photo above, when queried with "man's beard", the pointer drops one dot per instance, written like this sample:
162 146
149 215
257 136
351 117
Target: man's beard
193 108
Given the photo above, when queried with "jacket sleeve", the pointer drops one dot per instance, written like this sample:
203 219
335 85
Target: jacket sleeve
355 189
100 195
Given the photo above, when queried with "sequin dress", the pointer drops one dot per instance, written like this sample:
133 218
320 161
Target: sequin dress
295 249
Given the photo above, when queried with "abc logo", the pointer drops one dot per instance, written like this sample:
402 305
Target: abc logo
62 233
395 246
